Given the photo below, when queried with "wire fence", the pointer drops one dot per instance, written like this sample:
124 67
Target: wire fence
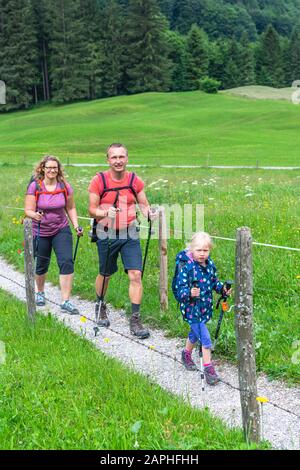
188 234
155 350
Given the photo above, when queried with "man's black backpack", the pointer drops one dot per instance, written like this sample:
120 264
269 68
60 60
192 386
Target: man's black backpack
131 177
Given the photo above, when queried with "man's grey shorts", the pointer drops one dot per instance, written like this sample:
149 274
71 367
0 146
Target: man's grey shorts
130 250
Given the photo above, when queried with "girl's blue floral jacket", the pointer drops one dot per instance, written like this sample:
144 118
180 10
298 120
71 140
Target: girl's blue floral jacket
200 309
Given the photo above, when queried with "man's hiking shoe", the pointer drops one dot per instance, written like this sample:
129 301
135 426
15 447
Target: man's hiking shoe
211 376
40 299
187 360
137 329
103 320
67 306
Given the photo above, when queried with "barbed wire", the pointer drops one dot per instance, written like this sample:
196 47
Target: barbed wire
162 353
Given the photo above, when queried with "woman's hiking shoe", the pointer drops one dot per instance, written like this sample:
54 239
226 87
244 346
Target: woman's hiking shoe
210 375
103 320
40 300
67 306
137 329
187 360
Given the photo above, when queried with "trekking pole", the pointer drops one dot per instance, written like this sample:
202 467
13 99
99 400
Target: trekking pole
100 302
105 275
37 240
147 245
201 363
224 308
196 285
77 243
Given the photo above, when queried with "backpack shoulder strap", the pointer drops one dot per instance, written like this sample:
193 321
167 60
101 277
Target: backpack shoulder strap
38 189
132 177
102 178
64 189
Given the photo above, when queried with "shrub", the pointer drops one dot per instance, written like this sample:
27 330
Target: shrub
209 85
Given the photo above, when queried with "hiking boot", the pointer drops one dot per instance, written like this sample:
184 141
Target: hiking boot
137 329
187 360
210 375
67 306
40 299
103 320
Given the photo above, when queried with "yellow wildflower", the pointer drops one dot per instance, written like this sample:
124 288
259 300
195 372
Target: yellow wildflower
262 399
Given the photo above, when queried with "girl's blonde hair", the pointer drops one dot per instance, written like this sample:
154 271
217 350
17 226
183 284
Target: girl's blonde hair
39 172
200 238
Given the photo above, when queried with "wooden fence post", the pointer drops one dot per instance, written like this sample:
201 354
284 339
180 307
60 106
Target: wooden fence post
163 260
244 334
29 269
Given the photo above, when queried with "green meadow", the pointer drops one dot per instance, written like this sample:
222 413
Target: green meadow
58 392
265 201
183 128
190 128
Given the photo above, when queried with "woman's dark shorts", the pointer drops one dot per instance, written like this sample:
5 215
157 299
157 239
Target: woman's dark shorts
62 244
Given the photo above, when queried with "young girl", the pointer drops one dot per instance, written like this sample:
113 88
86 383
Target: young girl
195 282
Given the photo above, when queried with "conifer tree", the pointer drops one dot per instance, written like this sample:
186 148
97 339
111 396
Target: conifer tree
68 48
18 53
246 62
113 38
269 63
232 72
197 57
177 55
148 66
92 47
185 14
41 19
217 57
292 59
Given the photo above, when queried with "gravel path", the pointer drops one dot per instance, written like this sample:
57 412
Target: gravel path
282 429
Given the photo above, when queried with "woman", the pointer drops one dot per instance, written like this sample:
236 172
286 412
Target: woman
49 199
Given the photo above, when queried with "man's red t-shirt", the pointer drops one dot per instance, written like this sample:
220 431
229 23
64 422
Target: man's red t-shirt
126 200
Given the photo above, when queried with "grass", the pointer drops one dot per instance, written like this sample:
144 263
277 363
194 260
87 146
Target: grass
58 392
191 128
52 380
267 202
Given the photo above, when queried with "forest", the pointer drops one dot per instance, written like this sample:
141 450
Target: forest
63 51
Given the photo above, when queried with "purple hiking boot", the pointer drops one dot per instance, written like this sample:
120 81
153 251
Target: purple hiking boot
211 376
187 360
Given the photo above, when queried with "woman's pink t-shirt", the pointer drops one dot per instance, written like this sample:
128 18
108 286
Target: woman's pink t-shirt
53 207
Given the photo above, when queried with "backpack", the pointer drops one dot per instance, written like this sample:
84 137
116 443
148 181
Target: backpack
39 189
180 262
101 175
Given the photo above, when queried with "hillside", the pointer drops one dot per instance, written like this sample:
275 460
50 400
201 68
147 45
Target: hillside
190 128
232 17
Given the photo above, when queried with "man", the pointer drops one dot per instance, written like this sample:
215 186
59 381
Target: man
113 195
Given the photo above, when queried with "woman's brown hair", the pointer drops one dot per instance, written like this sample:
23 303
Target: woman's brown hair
39 172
